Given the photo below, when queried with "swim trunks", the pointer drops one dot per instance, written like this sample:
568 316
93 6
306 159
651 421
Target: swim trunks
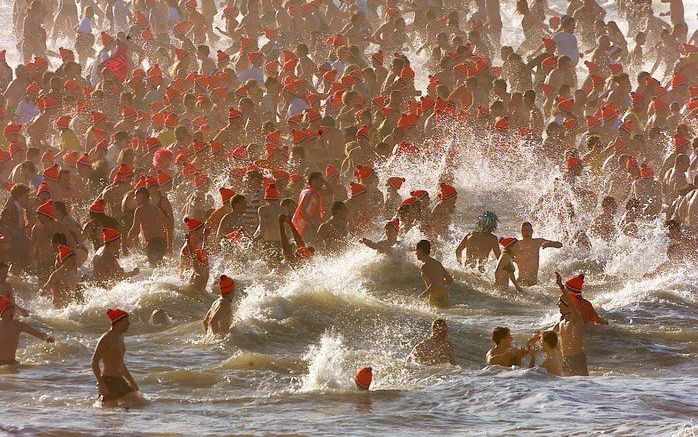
155 249
117 386
575 365
439 298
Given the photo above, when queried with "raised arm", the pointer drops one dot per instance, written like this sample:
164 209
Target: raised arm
567 299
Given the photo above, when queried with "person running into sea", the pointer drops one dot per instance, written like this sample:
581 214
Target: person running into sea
505 266
389 239
480 243
570 331
105 263
302 252
219 317
10 330
435 276
149 222
115 384
527 253
436 349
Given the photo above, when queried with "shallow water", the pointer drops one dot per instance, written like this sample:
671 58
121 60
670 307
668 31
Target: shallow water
288 363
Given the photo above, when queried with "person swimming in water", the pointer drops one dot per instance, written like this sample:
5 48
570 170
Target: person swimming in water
570 331
436 349
547 343
503 353
479 243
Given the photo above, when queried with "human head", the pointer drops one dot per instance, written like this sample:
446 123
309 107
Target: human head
238 204
142 196
339 210
423 249
501 336
119 320
487 222
439 329
316 181
526 230
363 378
159 317
549 340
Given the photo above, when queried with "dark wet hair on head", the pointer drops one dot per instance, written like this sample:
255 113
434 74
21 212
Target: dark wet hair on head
499 333
59 238
424 246
236 199
337 206
314 176
550 338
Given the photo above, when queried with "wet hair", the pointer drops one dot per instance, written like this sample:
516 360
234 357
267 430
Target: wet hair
19 190
439 325
143 191
550 338
60 206
499 333
237 199
337 206
59 238
121 135
424 246
313 176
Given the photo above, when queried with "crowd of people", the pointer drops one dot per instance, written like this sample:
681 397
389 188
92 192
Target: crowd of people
261 128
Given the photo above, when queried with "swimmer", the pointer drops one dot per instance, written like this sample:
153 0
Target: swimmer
503 353
105 263
115 384
479 243
435 276
547 343
527 254
389 239
570 331
10 329
219 317
436 349
505 266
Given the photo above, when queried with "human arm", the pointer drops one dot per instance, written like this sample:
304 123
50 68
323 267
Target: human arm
551 243
495 247
126 374
512 278
369 243
96 358
567 299
25 327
